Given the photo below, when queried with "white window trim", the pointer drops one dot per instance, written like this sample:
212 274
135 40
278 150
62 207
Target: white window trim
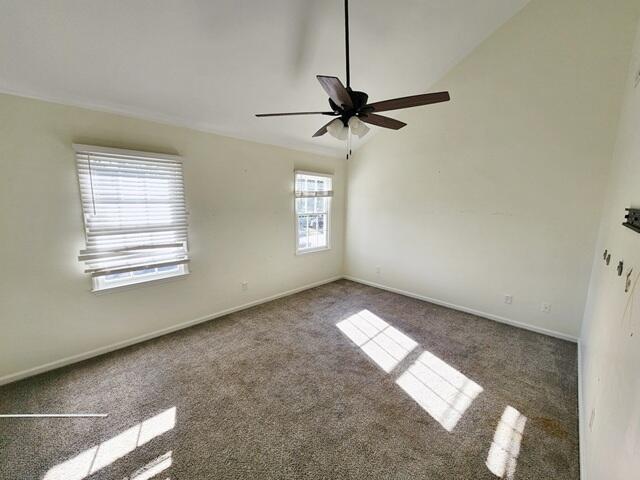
98 284
295 214
79 148
135 285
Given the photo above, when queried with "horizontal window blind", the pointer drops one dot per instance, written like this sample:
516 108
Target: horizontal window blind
134 209
310 185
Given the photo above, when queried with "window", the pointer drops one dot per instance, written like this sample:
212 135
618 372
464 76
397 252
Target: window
313 192
135 216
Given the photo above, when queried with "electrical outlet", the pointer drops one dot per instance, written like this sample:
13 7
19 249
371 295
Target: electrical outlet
245 286
545 308
508 299
377 269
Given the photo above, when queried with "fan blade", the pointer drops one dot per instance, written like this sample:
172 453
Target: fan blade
292 113
323 130
381 121
336 91
413 101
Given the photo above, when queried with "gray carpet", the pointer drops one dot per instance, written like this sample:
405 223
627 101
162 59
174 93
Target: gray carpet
401 389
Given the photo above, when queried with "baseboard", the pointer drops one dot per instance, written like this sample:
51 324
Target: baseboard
581 412
125 343
116 346
489 316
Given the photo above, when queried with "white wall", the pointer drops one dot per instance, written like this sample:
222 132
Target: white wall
611 329
241 228
500 191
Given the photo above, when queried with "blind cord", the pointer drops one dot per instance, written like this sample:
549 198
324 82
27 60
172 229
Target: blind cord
93 199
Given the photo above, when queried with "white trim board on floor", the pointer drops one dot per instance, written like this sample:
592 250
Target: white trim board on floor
132 341
13 377
489 316
581 420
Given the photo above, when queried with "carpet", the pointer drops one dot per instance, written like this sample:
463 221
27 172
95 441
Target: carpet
343 381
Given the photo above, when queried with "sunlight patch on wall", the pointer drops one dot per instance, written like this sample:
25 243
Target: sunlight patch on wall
441 390
504 451
99 456
384 344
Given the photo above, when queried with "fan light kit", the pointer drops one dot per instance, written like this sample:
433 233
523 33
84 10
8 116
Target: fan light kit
336 128
350 107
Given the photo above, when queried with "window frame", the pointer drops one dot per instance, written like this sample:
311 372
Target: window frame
100 284
304 251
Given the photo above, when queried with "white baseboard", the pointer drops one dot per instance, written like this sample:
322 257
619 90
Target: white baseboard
581 420
490 316
148 336
116 346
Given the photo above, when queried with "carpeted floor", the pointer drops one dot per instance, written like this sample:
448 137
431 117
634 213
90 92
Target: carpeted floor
341 381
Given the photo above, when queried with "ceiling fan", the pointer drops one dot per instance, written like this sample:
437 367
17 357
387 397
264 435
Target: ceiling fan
350 107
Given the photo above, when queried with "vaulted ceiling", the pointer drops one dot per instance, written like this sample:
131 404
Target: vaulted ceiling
212 64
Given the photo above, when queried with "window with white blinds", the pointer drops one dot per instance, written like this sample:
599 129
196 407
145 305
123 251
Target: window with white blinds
135 215
313 192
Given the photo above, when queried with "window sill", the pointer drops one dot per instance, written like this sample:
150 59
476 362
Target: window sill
136 285
312 250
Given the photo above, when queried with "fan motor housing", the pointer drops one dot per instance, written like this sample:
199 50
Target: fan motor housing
359 100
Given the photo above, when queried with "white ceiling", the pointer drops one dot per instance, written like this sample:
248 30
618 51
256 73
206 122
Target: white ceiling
212 64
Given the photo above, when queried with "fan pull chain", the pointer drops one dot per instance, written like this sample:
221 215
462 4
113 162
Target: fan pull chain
347 147
350 142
